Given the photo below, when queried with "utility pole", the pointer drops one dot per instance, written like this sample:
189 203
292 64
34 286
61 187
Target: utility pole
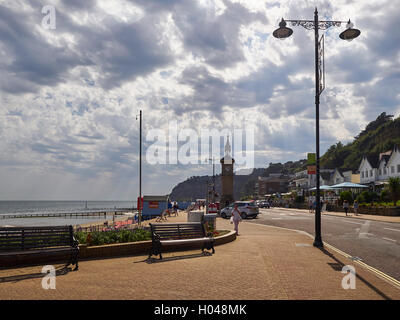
318 240
213 180
140 168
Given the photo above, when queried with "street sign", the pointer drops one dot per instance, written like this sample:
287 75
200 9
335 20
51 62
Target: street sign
311 159
311 169
153 204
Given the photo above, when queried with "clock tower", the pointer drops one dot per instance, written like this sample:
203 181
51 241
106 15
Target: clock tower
227 176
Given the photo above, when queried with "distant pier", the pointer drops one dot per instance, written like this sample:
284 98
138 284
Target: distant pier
69 214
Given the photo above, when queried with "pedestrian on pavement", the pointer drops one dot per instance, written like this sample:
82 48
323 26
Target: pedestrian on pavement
169 208
314 205
310 206
346 206
355 206
323 206
176 208
236 218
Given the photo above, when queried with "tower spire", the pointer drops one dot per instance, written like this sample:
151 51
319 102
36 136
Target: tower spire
227 147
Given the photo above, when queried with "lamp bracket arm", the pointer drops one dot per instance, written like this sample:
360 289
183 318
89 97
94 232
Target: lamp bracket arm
310 25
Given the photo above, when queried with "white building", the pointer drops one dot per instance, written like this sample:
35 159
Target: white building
393 164
368 169
301 180
378 170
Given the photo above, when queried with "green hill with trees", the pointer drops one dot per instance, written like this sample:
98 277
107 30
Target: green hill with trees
379 136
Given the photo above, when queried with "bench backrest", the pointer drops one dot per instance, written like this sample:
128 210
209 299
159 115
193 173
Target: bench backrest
172 231
27 238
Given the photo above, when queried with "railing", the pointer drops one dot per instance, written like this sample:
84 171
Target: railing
64 214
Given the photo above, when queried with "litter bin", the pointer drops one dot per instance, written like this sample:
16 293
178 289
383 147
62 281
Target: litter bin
195 216
210 221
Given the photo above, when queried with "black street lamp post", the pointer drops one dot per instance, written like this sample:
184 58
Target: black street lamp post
349 34
140 171
213 180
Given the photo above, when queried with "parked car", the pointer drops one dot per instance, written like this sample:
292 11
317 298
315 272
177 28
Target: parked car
264 204
247 209
226 212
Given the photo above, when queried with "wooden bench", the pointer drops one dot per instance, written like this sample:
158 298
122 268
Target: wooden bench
31 245
171 234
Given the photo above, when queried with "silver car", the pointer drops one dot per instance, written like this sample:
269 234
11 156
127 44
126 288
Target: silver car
247 209
226 212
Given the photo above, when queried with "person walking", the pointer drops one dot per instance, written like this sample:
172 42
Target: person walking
169 208
355 206
310 205
346 206
176 208
236 218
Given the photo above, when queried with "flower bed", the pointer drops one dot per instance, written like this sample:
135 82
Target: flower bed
98 238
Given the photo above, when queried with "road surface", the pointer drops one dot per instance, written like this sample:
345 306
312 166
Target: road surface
375 243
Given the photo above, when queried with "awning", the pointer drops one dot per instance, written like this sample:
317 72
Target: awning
348 185
324 187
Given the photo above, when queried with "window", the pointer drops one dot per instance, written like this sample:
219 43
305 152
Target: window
362 174
384 171
392 169
398 168
380 172
370 173
366 174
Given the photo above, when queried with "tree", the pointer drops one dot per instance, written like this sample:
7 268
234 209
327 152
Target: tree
346 195
394 188
384 195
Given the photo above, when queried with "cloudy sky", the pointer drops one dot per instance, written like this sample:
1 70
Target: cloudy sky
70 95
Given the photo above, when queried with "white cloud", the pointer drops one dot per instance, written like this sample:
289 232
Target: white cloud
70 96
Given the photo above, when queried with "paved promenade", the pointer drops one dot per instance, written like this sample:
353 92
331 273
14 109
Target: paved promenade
262 263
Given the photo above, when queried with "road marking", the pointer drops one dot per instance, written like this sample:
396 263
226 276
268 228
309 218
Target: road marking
364 230
359 223
392 229
376 271
366 266
388 239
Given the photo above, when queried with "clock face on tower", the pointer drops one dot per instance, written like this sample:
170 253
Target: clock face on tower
227 169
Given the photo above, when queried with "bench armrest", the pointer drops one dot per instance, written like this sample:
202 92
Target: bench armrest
156 237
75 242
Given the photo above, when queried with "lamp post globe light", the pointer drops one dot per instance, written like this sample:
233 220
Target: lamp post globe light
349 34
282 32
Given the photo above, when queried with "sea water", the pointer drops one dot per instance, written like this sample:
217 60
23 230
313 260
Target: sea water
37 207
